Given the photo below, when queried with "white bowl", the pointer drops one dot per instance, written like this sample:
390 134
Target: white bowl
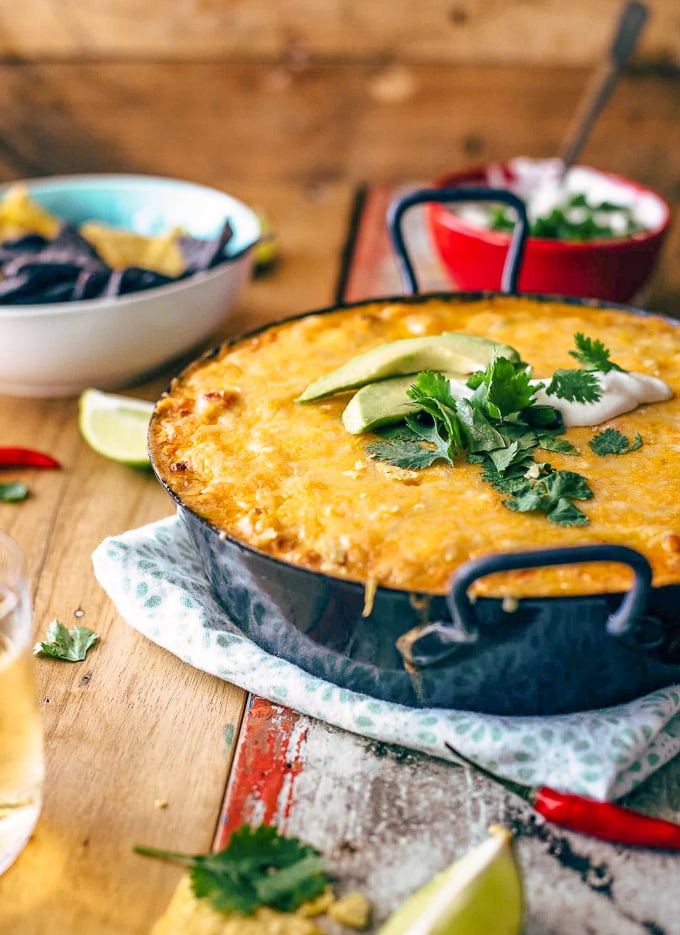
59 349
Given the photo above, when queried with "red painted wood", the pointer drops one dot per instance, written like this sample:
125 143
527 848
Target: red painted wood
370 248
269 756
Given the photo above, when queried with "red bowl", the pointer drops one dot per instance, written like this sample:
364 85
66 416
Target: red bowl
613 270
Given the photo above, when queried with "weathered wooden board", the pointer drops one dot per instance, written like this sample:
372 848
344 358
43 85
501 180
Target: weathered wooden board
388 819
490 31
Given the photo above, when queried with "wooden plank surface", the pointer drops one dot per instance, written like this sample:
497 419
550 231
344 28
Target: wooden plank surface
247 128
479 31
131 727
388 819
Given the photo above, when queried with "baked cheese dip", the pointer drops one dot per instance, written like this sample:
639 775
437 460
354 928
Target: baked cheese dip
246 440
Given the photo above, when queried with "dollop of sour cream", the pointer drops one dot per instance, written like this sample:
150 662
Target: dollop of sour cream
620 392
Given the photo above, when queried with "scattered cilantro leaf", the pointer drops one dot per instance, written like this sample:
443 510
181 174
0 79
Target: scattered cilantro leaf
576 386
514 479
551 493
67 645
502 458
593 355
566 513
258 867
558 484
13 492
611 441
560 445
405 453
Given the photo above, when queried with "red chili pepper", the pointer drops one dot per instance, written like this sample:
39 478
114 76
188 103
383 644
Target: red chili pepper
602 820
605 820
26 457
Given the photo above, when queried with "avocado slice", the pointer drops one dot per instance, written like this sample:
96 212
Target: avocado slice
448 352
386 402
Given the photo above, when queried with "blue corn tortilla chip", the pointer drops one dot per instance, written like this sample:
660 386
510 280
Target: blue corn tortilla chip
30 244
135 279
204 254
68 268
50 284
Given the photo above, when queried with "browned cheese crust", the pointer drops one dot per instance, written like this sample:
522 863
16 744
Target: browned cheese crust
288 479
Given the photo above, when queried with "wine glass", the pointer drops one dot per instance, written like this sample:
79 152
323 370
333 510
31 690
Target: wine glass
21 741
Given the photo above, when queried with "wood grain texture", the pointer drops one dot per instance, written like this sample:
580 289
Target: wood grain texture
131 726
388 819
250 129
226 124
481 31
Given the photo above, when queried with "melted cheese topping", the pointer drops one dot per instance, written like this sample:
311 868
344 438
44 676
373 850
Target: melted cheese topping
288 479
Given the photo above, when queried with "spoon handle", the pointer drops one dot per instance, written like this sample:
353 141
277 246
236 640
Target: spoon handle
631 22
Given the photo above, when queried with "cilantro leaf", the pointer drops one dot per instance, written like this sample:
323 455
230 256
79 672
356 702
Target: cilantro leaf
480 434
560 445
593 355
558 484
67 645
551 494
502 389
546 418
577 386
514 479
566 513
611 441
432 392
258 867
406 453
13 492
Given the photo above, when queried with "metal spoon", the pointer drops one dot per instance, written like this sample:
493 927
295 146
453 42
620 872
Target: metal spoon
603 81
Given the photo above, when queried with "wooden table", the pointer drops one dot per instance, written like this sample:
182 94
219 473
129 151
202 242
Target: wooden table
133 728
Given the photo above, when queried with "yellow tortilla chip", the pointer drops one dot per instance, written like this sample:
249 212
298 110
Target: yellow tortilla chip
120 248
20 215
187 915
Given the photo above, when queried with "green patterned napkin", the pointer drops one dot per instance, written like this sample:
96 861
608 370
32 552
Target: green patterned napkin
603 754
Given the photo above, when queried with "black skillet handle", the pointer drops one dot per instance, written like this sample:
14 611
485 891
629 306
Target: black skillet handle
515 255
622 623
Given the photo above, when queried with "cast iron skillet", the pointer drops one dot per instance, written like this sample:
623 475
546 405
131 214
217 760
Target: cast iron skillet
543 656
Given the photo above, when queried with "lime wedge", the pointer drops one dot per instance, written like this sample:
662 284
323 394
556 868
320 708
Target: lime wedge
478 894
115 426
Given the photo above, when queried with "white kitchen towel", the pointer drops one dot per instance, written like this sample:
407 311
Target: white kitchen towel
603 754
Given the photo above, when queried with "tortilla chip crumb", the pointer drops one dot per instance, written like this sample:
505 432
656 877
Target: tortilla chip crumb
318 906
187 915
160 803
352 910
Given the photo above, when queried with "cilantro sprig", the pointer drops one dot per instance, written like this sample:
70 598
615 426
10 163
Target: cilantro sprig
593 355
67 645
259 867
611 441
499 427
576 386
562 222
583 386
